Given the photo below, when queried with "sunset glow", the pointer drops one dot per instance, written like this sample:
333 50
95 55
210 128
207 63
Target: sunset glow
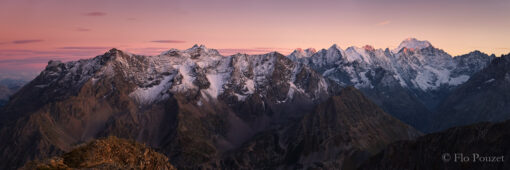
33 32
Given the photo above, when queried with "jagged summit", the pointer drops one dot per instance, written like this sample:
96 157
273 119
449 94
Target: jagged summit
197 50
308 50
335 47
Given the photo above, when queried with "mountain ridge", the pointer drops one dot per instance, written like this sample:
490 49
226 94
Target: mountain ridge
196 105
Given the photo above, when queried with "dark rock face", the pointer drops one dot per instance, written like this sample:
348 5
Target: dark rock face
472 62
340 133
445 150
108 153
485 97
397 100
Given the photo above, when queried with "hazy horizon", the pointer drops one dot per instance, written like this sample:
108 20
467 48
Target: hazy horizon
34 32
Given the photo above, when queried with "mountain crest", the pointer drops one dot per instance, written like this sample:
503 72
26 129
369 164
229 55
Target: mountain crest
201 50
335 47
300 53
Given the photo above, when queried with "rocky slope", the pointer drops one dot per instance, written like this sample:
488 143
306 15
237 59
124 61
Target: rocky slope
479 146
485 97
339 134
205 110
109 153
193 104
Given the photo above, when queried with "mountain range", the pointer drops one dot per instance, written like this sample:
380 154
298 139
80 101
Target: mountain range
311 109
408 82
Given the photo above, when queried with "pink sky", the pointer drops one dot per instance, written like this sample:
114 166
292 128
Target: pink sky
34 31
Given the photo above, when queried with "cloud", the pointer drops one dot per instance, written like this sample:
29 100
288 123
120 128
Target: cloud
84 48
168 41
26 41
386 22
95 14
82 29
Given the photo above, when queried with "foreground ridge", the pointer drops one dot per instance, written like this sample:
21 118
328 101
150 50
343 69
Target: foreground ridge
108 153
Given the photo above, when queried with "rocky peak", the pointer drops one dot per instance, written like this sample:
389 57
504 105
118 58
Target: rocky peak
201 50
300 53
334 47
472 62
368 48
109 153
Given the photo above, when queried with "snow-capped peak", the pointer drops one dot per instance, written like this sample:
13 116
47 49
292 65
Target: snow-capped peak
412 44
355 53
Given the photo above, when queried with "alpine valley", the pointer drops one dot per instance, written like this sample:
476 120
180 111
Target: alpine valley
333 108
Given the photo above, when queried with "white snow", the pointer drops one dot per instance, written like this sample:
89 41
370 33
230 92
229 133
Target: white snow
292 89
216 84
333 54
329 71
300 53
458 80
417 70
489 81
154 93
250 85
357 54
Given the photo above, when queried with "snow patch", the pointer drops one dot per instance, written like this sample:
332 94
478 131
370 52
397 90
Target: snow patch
489 81
250 85
357 54
154 93
216 84
458 80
